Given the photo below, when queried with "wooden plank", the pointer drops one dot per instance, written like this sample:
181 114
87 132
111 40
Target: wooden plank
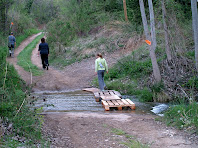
125 102
101 93
104 102
130 102
106 98
117 93
105 105
120 102
120 108
107 93
115 102
91 89
111 92
110 103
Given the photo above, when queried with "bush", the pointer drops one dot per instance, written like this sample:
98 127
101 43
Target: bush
129 67
183 116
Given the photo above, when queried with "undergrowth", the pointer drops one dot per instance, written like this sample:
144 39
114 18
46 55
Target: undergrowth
183 116
24 58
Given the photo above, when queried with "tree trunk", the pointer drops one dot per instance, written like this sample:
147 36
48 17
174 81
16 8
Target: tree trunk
152 21
144 20
167 47
156 71
125 10
195 28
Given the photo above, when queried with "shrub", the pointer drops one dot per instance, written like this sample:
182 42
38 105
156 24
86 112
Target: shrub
183 116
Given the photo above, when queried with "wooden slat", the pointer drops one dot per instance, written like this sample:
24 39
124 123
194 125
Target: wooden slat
117 93
115 102
111 92
110 103
101 93
107 94
130 102
125 102
93 90
104 102
106 98
120 102
105 105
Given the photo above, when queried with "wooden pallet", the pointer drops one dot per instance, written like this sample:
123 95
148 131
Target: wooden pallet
107 95
93 90
119 104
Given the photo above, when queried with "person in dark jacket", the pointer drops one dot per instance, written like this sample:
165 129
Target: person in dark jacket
11 44
44 52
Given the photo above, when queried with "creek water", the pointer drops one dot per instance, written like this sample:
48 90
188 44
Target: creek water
84 101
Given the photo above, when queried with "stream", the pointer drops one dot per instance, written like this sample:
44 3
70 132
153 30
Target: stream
80 101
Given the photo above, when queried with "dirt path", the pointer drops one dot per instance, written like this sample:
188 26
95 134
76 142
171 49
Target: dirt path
94 129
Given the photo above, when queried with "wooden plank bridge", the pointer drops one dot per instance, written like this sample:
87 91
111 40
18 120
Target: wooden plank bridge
110 99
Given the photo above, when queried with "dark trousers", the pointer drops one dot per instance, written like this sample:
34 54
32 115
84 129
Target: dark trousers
11 48
44 58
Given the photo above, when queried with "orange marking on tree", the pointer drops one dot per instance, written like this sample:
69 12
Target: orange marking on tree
148 42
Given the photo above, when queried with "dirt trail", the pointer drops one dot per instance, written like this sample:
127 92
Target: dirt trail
94 129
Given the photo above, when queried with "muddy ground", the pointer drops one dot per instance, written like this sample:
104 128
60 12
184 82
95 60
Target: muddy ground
95 129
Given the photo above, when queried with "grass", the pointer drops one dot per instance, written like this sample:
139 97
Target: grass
131 141
24 58
183 116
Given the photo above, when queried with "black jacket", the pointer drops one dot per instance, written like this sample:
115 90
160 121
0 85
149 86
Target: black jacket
43 48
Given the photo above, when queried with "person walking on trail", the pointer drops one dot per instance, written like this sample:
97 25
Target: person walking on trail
11 44
100 68
44 52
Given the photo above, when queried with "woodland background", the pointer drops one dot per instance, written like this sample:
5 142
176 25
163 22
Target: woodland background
71 28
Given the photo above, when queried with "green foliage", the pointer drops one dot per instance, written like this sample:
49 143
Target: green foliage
135 144
24 58
185 7
42 10
133 68
118 131
191 54
75 19
192 83
183 116
157 87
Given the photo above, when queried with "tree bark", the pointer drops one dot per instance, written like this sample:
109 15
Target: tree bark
152 22
167 47
195 28
125 10
144 20
156 71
